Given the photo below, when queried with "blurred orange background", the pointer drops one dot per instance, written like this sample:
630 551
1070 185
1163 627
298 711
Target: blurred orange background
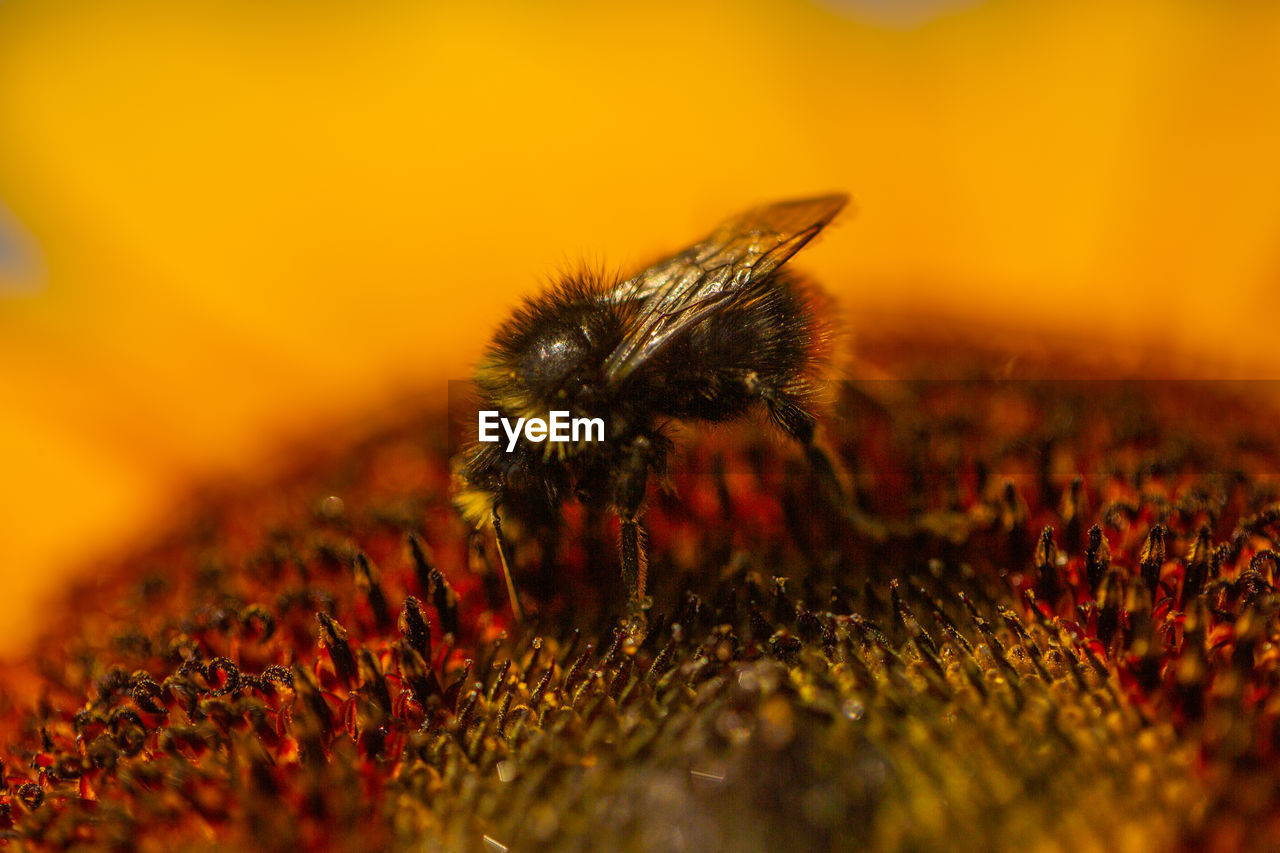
225 223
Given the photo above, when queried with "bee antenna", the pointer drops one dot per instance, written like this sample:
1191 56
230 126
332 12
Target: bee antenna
503 558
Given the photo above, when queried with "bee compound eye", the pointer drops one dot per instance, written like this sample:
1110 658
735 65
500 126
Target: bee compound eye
551 359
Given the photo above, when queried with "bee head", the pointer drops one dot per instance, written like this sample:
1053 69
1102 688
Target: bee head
550 353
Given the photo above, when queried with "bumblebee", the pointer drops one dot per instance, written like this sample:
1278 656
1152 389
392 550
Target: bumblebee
705 335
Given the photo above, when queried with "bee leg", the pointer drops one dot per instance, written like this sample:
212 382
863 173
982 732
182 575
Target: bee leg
632 543
505 560
802 426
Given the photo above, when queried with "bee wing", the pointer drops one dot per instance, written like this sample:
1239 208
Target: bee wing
679 292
